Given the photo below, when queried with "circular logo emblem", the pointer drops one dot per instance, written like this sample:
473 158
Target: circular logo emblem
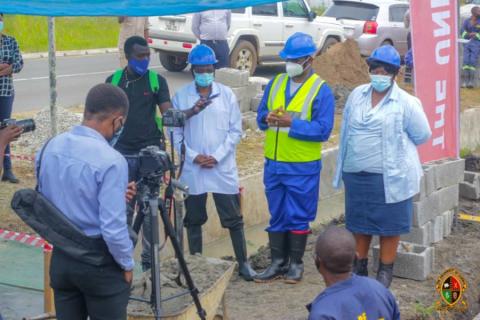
451 285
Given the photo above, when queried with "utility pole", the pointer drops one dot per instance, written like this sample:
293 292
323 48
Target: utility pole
52 65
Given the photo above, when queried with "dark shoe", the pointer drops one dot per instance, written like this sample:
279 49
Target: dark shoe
360 267
240 248
9 176
385 274
194 236
296 245
276 269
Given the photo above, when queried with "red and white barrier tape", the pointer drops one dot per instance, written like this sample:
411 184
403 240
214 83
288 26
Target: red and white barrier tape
24 238
22 157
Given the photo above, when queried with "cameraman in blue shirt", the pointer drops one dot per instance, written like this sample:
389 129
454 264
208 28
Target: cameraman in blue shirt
347 296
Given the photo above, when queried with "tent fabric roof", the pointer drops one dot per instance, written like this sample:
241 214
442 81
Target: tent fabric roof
119 7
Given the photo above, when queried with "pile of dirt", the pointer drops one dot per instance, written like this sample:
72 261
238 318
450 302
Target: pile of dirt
204 271
342 65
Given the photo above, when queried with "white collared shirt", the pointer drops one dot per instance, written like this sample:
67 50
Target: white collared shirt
215 131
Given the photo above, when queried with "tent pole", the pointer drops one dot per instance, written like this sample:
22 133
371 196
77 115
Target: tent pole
52 64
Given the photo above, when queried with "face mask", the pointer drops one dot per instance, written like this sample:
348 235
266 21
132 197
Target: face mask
116 135
1 26
204 79
139 66
380 83
295 69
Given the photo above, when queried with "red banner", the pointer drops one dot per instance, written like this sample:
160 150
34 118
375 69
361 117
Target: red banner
435 55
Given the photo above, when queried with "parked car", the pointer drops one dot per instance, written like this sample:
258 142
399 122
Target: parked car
371 23
256 35
466 10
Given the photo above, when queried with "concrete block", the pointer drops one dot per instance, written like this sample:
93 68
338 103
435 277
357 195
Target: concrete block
469 191
249 121
447 222
255 102
419 235
429 176
437 229
329 163
262 81
425 210
449 172
423 190
233 78
470 176
243 98
413 261
448 198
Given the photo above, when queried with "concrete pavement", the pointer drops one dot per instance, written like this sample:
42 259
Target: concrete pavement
76 75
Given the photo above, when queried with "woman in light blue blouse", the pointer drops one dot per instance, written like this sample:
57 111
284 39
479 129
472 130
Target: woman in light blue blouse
378 161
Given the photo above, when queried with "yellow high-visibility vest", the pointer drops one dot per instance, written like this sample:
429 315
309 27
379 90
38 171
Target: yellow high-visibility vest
278 145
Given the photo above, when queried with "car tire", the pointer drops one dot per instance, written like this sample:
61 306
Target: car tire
244 56
172 62
328 44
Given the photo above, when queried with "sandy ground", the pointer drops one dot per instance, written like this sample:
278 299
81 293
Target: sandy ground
416 298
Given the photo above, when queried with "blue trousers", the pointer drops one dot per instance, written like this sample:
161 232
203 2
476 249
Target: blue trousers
222 52
6 104
292 201
471 53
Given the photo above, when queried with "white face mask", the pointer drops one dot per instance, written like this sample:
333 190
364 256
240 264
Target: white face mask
294 69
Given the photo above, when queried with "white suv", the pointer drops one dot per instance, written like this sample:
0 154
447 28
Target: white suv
256 35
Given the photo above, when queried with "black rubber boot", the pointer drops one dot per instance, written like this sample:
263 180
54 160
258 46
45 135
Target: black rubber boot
385 274
465 78
276 269
360 267
194 235
471 79
296 245
240 248
9 176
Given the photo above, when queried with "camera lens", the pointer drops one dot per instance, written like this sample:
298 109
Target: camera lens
27 125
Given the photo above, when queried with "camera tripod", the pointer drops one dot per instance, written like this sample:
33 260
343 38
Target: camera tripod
153 206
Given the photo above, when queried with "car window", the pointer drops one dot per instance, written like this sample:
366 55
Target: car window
294 8
238 10
265 10
397 13
352 10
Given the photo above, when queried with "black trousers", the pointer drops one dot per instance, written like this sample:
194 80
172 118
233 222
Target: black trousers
82 290
222 52
228 208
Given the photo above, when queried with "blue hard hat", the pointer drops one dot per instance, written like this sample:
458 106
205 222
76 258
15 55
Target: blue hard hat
202 55
298 45
386 54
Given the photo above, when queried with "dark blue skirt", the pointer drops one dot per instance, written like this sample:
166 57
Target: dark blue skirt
366 211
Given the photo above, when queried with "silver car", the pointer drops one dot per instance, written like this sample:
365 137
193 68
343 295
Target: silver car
372 23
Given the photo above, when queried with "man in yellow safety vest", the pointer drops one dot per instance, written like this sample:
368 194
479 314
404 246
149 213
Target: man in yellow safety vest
296 113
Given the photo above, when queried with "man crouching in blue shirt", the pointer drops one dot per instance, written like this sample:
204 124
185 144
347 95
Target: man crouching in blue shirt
347 295
86 179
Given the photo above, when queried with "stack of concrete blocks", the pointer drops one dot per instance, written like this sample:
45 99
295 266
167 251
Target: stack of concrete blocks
434 209
470 186
245 89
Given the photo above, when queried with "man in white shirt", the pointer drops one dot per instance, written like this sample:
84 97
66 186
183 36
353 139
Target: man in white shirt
211 28
210 140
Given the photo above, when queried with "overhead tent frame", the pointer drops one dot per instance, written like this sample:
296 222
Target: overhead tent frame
95 8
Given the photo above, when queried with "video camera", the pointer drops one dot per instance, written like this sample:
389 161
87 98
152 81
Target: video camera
174 118
153 162
27 125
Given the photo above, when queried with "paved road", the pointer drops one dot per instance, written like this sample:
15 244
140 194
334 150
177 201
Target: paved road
76 75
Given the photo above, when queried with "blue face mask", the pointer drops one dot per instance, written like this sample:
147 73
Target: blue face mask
113 141
1 26
380 83
139 66
204 79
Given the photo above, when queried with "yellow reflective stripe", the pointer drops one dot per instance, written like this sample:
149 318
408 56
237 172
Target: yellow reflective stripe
275 88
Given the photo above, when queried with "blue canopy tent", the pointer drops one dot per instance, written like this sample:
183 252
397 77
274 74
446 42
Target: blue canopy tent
56 8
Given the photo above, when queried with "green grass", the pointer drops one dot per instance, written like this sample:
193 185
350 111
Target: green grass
31 32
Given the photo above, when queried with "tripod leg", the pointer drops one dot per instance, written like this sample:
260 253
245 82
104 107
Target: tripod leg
155 268
183 264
